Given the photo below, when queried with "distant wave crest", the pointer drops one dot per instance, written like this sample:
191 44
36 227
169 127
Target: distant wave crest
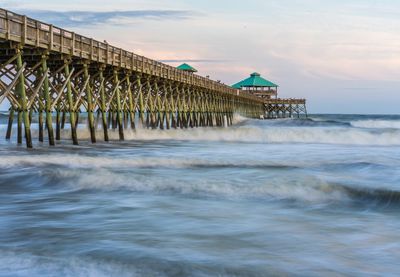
376 124
253 133
269 134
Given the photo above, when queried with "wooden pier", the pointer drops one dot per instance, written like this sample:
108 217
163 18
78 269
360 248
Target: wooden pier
56 74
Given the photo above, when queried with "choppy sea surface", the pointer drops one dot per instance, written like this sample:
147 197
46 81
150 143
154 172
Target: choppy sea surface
302 197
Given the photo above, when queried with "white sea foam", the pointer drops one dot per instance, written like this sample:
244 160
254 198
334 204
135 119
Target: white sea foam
376 124
255 131
255 134
263 135
25 264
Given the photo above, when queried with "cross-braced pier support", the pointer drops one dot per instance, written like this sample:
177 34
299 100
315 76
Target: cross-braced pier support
285 108
56 87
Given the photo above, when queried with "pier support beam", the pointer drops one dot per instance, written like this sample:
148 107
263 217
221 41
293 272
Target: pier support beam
20 88
71 105
119 108
103 104
48 101
89 100
130 99
10 123
141 100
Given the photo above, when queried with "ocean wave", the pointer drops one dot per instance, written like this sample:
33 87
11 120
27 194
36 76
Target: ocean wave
299 122
74 161
322 122
375 197
77 172
265 134
309 131
252 134
302 189
94 162
376 124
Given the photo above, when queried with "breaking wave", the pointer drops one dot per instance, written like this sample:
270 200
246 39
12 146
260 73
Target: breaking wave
108 174
254 134
375 132
376 124
267 134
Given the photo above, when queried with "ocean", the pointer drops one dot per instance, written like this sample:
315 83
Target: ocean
287 197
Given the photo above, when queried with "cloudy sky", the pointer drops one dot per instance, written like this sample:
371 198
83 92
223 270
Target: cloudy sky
342 55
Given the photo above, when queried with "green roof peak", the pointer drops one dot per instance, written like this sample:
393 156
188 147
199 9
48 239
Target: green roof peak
255 80
186 67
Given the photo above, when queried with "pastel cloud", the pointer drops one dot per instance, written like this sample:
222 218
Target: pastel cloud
311 48
89 18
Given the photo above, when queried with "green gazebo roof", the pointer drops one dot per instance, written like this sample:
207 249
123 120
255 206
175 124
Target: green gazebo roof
255 80
186 67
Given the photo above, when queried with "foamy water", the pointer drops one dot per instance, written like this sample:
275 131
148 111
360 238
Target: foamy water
311 197
382 124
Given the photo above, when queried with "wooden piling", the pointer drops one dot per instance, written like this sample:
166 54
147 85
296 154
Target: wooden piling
119 109
71 107
23 100
19 128
141 100
63 118
89 100
103 105
58 124
10 123
41 136
130 99
48 102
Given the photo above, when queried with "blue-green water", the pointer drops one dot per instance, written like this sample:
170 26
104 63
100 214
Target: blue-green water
316 197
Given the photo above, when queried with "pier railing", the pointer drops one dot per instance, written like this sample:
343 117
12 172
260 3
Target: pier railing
285 101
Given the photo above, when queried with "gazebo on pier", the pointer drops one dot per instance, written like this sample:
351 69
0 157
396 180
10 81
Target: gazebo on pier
258 86
186 67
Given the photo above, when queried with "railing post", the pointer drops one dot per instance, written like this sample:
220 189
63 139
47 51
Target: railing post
37 26
73 44
51 37
91 49
24 30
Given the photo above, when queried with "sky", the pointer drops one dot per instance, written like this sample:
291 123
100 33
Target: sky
343 56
